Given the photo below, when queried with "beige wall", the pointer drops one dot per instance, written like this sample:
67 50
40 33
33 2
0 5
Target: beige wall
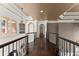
51 27
66 30
69 31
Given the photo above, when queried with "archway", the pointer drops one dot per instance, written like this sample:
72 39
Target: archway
13 24
30 31
42 30
30 27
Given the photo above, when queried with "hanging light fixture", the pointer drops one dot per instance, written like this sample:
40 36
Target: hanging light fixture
22 15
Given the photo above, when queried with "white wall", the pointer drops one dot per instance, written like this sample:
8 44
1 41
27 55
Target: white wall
31 36
33 22
66 30
76 32
51 27
69 31
10 11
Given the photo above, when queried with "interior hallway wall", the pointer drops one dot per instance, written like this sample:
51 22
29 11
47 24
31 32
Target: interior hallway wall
76 32
11 12
69 31
52 28
32 28
66 30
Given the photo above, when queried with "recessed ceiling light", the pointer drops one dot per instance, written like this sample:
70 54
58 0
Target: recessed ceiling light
41 11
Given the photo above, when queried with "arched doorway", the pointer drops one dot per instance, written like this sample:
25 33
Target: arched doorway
42 30
30 31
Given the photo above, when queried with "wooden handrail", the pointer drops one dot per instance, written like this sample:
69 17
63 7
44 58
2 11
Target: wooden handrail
51 33
70 41
7 43
65 47
31 32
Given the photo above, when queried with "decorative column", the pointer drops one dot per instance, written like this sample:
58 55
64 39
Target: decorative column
17 26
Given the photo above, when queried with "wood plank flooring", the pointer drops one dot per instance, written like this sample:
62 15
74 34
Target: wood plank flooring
42 48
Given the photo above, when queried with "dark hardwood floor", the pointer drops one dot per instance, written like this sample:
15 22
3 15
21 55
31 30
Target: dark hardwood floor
42 48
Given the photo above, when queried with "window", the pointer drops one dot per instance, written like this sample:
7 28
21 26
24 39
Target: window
13 24
3 25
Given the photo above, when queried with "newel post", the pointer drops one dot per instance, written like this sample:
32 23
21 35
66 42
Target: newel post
57 40
57 44
27 45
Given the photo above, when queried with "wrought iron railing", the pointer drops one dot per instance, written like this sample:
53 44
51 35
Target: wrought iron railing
65 46
15 47
68 47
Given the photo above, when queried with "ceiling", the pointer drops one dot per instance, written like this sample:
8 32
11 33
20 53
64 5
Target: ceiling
52 11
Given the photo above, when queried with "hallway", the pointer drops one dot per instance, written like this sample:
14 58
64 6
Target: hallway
42 48
39 30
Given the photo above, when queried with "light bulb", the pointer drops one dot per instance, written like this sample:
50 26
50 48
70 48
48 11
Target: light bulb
41 11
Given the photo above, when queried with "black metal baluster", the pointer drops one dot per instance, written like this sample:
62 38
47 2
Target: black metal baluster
57 40
21 42
19 47
3 51
27 45
73 50
69 49
13 47
16 45
66 49
62 47
8 49
16 49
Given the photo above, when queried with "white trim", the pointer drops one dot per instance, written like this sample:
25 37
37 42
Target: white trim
69 8
63 21
71 13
